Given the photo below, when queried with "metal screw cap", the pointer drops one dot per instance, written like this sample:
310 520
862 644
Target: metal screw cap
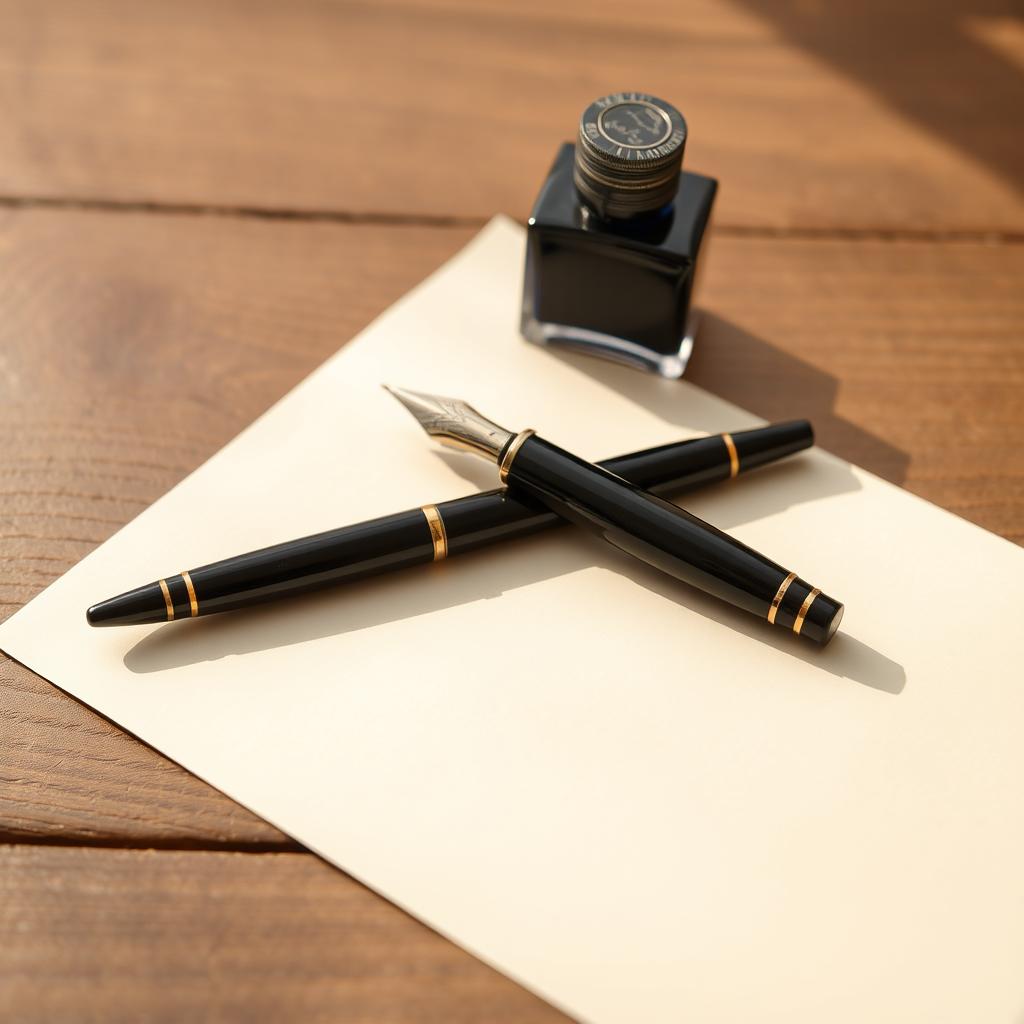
628 154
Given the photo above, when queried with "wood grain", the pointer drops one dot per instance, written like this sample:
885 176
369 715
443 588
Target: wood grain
71 776
134 346
859 114
131 349
115 935
869 163
907 356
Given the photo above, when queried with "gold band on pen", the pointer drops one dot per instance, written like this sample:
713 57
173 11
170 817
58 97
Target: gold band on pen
804 609
779 595
438 534
734 457
167 600
511 452
193 603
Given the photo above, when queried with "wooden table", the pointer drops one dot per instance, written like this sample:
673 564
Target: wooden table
201 200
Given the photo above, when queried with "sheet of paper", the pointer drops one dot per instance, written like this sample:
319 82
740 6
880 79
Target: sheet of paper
640 803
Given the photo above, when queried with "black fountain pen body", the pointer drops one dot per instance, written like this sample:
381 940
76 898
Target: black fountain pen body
428 534
639 523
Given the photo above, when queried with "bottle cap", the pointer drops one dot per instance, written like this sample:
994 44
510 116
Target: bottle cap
628 154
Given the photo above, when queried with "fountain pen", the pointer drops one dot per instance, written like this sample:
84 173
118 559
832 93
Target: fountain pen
631 519
430 533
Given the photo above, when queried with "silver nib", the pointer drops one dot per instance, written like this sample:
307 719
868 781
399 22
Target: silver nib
455 423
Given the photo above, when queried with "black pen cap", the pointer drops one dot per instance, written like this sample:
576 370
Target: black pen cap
670 469
139 606
822 619
767 444
806 611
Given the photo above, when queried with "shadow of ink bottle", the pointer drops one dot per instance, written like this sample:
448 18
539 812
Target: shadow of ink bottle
613 239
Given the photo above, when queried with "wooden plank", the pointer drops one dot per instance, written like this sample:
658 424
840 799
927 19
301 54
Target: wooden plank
72 776
115 935
907 357
873 117
135 345
131 349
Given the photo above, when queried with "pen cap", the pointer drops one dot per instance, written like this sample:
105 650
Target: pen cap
822 620
673 468
766 444
808 612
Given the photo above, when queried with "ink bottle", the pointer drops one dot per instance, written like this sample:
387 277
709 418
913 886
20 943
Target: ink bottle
613 240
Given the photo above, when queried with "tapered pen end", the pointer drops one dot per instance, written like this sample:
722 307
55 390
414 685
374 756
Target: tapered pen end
454 423
763 445
134 608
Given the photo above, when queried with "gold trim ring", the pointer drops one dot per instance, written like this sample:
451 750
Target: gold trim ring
779 595
193 603
438 534
510 453
167 600
804 609
734 456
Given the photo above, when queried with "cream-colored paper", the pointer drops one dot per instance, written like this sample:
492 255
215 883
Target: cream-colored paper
638 802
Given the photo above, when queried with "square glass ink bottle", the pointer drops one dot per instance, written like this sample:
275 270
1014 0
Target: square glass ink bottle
614 237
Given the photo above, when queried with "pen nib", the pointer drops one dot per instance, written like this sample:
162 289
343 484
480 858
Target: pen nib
454 423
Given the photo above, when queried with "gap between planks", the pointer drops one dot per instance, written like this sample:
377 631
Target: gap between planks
13 839
389 219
